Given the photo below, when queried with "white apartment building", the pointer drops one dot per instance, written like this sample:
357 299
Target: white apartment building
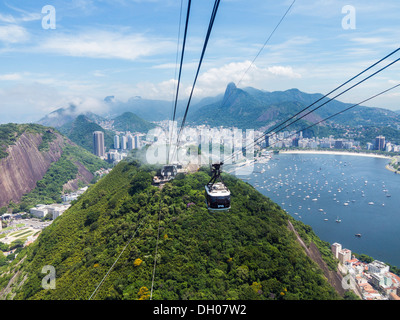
378 267
40 211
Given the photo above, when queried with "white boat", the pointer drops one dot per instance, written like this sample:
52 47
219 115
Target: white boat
370 203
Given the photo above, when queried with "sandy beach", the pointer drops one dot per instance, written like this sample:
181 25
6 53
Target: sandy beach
342 153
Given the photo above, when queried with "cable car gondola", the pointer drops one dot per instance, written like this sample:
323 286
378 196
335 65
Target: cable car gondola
218 196
169 171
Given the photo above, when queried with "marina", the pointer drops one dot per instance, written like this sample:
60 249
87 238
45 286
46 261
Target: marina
341 197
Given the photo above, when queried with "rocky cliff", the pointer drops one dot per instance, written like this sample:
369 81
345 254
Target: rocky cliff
40 164
25 165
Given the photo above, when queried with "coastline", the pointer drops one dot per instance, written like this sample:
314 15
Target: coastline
341 153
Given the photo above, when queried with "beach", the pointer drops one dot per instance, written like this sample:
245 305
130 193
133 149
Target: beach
343 153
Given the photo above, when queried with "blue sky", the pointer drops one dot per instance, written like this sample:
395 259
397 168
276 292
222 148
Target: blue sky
128 48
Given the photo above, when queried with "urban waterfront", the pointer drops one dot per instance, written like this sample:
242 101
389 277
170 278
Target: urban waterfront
339 196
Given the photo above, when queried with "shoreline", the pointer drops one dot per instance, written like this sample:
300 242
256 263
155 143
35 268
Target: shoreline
339 153
344 153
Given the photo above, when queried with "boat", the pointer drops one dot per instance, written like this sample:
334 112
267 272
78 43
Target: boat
338 220
358 235
370 203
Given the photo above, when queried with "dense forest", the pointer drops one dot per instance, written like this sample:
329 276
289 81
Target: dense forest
246 253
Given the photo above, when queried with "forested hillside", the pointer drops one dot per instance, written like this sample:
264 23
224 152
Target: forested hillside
246 253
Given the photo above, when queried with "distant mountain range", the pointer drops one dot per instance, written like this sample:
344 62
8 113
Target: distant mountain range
80 127
246 108
253 108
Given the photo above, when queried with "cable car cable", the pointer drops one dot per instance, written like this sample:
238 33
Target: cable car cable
155 255
108 272
337 88
290 118
265 43
210 26
348 89
180 67
342 111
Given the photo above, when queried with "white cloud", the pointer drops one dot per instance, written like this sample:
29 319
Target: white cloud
13 34
105 44
91 104
214 80
10 77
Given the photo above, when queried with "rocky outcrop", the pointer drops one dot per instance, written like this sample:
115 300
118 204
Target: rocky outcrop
84 176
25 165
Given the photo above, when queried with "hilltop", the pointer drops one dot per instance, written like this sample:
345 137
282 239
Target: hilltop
246 253
38 163
81 129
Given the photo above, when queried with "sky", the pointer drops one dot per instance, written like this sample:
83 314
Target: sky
54 53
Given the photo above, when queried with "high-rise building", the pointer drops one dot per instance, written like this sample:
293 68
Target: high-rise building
131 142
116 142
124 142
380 143
336 248
98 143
137 142
344 255
267 141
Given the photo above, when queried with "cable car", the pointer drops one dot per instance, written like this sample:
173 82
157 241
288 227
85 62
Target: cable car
218 196
169 171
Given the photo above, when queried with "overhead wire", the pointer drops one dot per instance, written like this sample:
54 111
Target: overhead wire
337 88
266 42
261 49
304 109
207 37
156 251
94 293
181 64
252 62
342 111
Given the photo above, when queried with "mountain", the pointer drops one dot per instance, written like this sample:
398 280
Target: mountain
81 131
38 163
129 121
64 116
248 253
253 108
153 110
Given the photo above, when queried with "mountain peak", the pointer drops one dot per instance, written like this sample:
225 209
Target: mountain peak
230 90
